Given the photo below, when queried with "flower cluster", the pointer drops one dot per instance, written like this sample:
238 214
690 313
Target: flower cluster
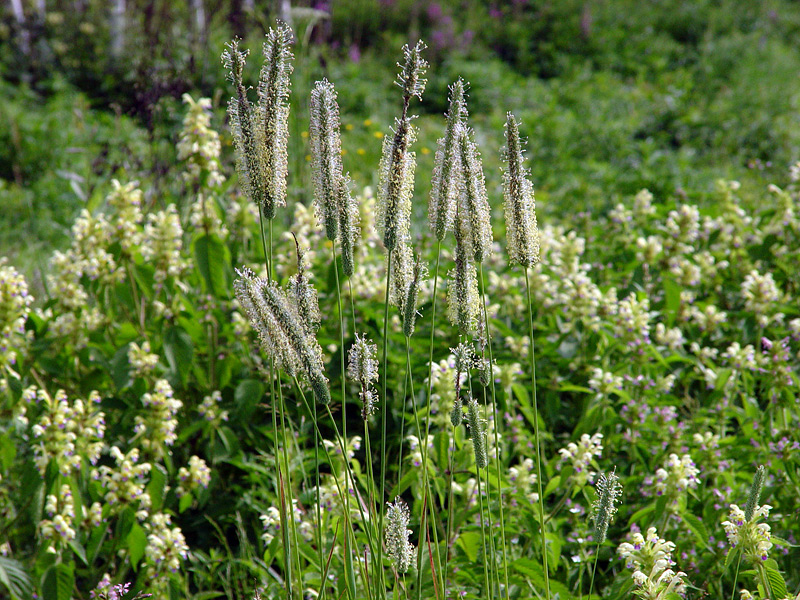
678 475
749 535
283 332
197 475
66 432
650 557
581 456
125 484
198 144
142 361
209 408
162 244
271 520
15 302
166 547
159 424
523 479
61 510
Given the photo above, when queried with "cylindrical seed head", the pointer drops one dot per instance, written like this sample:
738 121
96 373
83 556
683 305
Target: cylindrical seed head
445 182
477 433
398 548
273 111
475 201
608 491
522 233
755 493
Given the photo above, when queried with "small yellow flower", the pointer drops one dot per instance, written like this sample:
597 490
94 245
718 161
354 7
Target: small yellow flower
425 151
308 158
349 127
378 135
367 122
304 134
361 152
343 152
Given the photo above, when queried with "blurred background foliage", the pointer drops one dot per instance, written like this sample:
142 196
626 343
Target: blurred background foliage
614 96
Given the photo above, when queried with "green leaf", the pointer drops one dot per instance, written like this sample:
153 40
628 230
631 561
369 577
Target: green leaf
552 485
7 452
697 527
137 542
248 394
211 256
179 350
156 487
78 550
470 543
776 582
185 502
672 300
532 571
58 582
14 578
642 512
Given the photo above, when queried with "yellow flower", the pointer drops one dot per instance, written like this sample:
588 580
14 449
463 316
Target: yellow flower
361 152
378 135
349 127
367 122
425 151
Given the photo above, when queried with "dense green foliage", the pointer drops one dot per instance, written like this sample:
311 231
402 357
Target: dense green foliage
145 436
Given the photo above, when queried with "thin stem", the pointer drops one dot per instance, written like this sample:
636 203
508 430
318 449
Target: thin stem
429 392
342 377
330 461
385 409
487 586
537 440
736 576
594 570
291 524
496 434
319 508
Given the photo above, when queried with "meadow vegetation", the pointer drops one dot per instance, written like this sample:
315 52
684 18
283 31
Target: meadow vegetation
318 340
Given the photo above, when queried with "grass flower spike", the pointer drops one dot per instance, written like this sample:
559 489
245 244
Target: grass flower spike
335 206
249 160
521 230
474 200
477 433
397 163
273 115
608 492
363 368
282 333
399 549
445 188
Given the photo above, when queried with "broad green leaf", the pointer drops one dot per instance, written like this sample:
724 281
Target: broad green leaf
15 579
775 579
137 542
78 550
697 526
179 350
58 582
156 487
248 394
185 502
470 543
211 256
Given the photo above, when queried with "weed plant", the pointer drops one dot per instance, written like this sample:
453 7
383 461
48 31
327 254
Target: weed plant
207 404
